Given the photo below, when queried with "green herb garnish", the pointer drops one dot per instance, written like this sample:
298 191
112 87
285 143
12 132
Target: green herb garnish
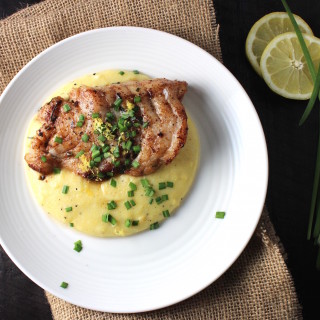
58 139
113 183
135 164
131 193
128 223
85 138
95 115
65 189
127 205
56 170
111 205
162 185
78 246
154 226
136 99
66 108
133 186
166 213
79 154
220 214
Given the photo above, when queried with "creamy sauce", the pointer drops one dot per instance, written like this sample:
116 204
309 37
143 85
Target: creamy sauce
89 199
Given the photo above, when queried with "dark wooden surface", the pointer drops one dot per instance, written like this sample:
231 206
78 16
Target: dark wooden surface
291 148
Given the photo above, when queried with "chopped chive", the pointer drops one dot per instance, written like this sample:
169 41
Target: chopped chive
56 170
58 139
131 193
220 214
105 149
128 223
169 184
66 108
150 201
132 202
111 205
95 154
79 154
116 163
154 226
102 138
145 124
92 164
145 183
97 159
85 138
149 192
121 73
100 175
94 148
109 116
162 185
71 224
104 217
128 144
164 197
81 117
95 115
135 223
133 134
116 152
65 189
80 124
64 285
166 213
113 183
44 159
158 200
68 209
135 164
78 246
136 99
106 155
112 220
127 205
133 186
136 149
117 103
135 71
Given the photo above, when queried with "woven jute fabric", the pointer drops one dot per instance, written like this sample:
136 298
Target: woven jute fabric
258 285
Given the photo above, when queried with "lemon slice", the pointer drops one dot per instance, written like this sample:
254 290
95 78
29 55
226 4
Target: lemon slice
265 29
284 67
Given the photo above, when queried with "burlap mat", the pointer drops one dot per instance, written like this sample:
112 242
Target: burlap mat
258 285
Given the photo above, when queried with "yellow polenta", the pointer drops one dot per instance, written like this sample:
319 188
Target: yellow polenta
89 200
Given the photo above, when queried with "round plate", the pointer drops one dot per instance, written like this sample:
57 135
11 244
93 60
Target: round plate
157 268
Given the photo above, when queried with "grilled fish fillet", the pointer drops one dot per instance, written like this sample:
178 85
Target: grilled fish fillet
132 127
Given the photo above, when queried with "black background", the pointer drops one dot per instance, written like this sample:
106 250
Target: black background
292 153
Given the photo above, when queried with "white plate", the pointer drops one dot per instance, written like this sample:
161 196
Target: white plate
191 250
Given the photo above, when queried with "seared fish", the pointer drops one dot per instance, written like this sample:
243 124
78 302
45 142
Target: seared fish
132 127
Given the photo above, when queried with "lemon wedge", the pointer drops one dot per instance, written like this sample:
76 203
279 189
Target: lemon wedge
265 29
284 67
